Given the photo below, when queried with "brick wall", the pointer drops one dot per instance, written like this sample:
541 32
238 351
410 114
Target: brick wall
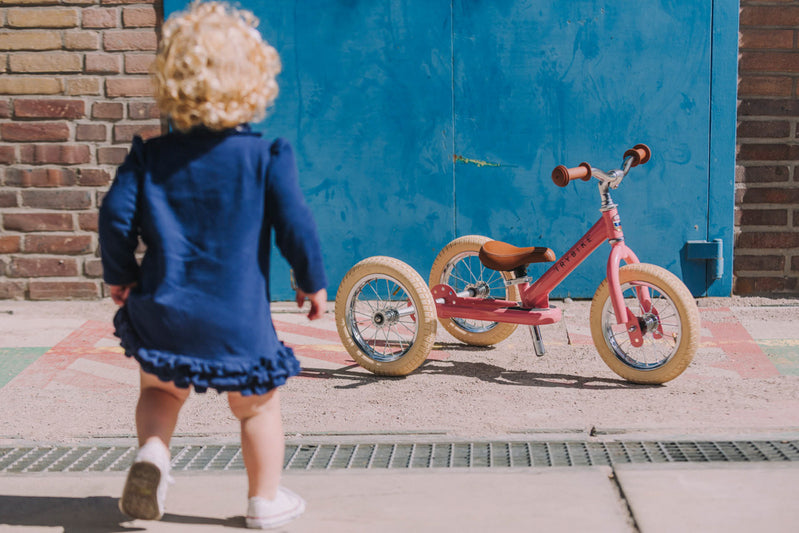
767 181
73 91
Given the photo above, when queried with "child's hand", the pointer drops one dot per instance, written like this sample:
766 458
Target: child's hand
120 293
318 302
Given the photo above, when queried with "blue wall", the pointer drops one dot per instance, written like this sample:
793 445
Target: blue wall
418 121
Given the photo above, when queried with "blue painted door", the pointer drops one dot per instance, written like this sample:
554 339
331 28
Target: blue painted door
415 122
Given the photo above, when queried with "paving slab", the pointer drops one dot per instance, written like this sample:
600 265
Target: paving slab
568 499
731 498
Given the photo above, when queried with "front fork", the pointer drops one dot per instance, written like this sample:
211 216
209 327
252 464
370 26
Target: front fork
619 252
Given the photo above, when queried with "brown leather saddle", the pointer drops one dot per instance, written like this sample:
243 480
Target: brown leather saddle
498 255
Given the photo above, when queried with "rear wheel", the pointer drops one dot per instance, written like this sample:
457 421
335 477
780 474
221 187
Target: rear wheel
385 316
670 326
459 266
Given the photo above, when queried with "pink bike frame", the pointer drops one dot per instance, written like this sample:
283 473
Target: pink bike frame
535 308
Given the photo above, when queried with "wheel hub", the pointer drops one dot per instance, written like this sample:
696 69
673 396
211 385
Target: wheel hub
648 322
385 318
479 289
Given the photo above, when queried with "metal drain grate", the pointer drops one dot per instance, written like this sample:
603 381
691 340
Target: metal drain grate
408 455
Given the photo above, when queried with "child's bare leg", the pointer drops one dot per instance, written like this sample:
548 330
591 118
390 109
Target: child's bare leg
158 409
262 443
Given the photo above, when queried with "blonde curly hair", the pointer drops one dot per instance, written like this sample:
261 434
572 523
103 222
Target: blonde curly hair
213 68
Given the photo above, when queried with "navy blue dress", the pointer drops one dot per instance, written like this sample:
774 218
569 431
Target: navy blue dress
205 204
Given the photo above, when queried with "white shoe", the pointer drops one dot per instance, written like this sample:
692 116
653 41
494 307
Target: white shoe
266 514
145 489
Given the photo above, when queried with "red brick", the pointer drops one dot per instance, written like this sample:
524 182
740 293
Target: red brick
108 110
8 155
93 268
117 2
57 244
125 132
91 132
34 131
139 17
40 177
5 109
138 63
764 217
757 240
764 285
774 39
63 290
118 87
44 62
795 263
100 17
83 85
744 263
127 40
771 195
81 40
88 221
785 16
769 174
42 108
769 107
93 177
769 62
63 154
10 244
102 64
749 86
143 110
8 198
40 267
768 152
764 129
27 222
111 155
12 290
65 199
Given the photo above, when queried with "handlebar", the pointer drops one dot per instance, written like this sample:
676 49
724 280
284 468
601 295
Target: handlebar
562 175
637 155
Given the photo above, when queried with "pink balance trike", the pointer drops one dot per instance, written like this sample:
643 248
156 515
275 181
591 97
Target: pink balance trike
644 321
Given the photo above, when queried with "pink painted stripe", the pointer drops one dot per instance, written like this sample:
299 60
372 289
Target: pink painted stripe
744 355
307 331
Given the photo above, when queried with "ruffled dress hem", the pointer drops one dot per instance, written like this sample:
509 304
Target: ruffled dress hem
253 376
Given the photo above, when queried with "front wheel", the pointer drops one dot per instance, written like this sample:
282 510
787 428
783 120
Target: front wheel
670 326
385 316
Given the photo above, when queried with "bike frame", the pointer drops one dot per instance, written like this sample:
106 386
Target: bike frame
535 309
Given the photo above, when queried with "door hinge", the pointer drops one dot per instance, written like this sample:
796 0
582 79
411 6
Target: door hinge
712 251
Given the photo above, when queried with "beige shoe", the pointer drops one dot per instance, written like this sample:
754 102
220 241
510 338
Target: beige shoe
266 514
145 489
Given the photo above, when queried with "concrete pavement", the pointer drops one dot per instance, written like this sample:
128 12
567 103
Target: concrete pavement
59 354
657 498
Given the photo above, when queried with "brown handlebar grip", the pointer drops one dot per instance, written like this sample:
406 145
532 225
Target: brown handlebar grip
640 154
562 175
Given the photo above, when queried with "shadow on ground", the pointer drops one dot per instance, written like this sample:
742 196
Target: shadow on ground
354 376
90 514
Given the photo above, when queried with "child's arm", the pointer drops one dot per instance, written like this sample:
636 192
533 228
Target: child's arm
295 230
120 293
118 227
318 302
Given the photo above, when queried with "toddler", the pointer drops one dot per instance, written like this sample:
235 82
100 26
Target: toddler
205 199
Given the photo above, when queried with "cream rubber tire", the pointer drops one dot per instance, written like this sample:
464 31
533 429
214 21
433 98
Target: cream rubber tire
385 316
675 320
458 266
